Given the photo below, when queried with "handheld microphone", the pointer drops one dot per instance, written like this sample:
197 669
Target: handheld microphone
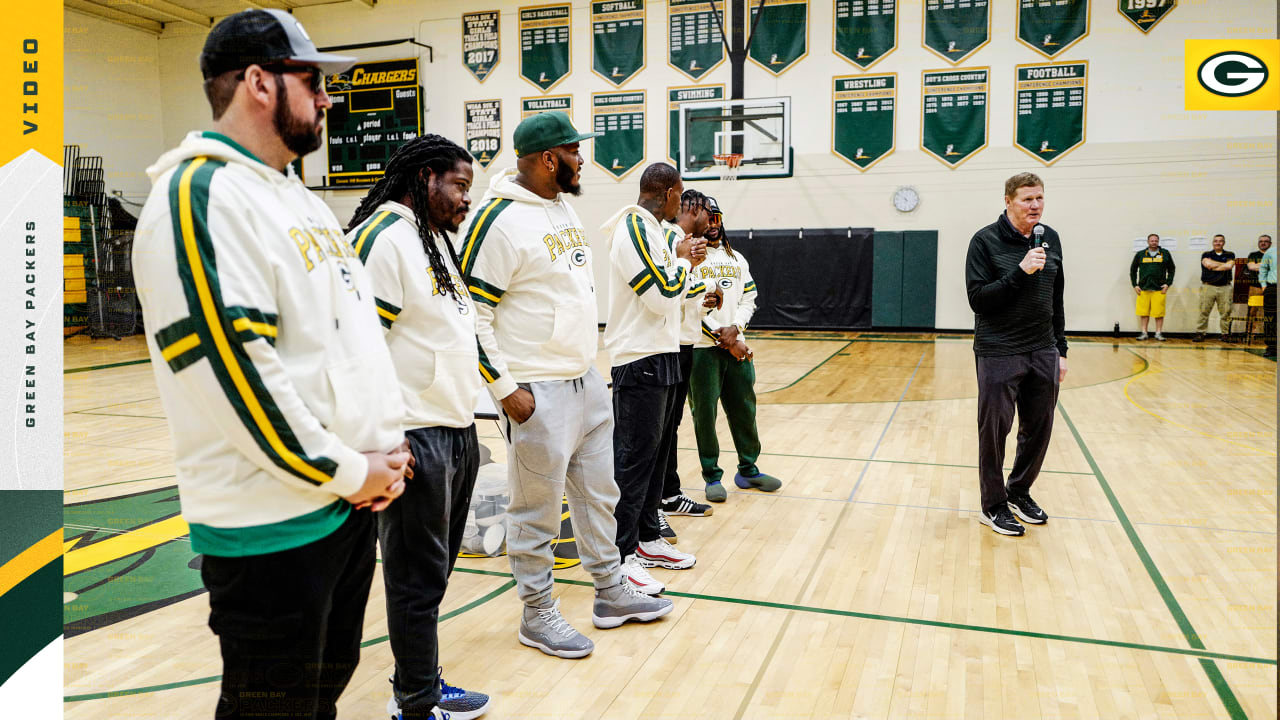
1038 233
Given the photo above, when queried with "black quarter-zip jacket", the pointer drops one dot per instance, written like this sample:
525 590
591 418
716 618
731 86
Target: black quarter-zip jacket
1014 312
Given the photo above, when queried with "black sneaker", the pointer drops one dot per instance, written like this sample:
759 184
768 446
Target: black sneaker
664 528
1001 521
1027 509
684 505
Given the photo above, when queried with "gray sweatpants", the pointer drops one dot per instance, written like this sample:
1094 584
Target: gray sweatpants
565 449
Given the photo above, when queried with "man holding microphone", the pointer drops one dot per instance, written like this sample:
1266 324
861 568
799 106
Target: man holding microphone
1013 275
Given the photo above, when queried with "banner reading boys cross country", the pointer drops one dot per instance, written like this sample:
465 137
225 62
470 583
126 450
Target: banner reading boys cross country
551 103
703 133
862 131
619 117
865 30
1146 14
480 42
483 119
953 126
544 44
1051 26
781 38
695 44
955 29
617 39
1051 109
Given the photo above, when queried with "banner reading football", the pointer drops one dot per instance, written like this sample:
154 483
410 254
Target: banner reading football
544 45
483 120
480 42
1051 26
551 103
695 44
1051 109
617 39
953 126
862 130
781 38
955 29
703 134
865 30
1146 14
619 118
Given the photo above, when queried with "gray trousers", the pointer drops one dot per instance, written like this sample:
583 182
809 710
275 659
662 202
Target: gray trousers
1215 296
565 449
1028 383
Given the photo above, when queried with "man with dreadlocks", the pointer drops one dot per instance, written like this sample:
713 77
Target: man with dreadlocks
527 264
723 370
400 234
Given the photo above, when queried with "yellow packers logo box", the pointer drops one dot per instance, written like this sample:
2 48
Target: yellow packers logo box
1232 75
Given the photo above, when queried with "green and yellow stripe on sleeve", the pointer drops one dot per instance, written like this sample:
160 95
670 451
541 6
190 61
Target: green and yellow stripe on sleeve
706 333
695 290
669 287
387 312
749 287
487 371
369 231
486 215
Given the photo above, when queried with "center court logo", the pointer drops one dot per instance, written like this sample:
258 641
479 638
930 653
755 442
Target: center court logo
1231 75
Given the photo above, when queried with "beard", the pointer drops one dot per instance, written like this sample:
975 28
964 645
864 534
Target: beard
713 233
296 133
564 180
441 211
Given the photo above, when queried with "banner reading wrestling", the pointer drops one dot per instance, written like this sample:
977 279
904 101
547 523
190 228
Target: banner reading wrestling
619 117
865 30
863 109
1051 109
953 126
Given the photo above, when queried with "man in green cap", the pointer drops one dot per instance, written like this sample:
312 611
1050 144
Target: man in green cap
527 264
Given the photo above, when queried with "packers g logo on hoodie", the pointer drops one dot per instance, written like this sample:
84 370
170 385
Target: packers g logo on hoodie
578 257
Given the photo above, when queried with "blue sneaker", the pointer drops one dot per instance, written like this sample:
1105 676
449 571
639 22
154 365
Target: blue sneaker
759 481
461 704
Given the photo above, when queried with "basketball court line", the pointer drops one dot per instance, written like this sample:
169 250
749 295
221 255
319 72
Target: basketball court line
69 371
885 431
1161 418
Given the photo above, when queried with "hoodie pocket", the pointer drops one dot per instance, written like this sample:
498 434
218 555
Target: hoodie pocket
452 381
571 335
367 409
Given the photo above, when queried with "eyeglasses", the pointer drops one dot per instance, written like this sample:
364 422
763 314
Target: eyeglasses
315 78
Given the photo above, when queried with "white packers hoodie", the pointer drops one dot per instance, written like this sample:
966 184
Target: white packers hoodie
647 285
266 348
527 264
431 334
691 311
732 276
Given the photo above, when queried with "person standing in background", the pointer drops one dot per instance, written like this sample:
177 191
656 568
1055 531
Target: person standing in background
1267 278
1217 268
1151 274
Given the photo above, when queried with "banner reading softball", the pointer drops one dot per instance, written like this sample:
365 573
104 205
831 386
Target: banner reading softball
619 118
544 44
865 30
1146 14
862 131
695 44
480 42
955 29
617 39
953 126
703 134
483 120
1051 26
781 38
1051 109
551 103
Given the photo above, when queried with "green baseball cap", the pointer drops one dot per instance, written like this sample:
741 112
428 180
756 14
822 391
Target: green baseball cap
545 131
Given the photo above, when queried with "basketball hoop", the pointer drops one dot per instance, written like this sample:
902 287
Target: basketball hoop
728 164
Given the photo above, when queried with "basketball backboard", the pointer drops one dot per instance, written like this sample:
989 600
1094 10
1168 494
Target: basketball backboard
759 129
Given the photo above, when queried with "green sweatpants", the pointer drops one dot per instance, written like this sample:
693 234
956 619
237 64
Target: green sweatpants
716 375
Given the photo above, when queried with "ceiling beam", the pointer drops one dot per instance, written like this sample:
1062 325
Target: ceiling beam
113 15
164 7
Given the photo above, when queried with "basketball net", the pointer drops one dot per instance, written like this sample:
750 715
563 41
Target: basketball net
728 164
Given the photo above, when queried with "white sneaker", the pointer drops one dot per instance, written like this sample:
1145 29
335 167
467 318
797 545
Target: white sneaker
1160 337
660 553
636 574
1142 336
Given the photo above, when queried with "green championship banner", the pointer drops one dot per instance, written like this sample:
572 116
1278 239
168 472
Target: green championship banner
483 121
550 103
617 39
544 45
955 29
953 126
1146 14
1051 26
695 44
704 133
376 108
619 118
1051 109
480 42
865 30
862 126
781 38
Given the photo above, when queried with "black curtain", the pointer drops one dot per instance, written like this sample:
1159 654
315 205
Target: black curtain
818 279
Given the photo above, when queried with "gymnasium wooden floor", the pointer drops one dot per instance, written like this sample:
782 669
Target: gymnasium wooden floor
865 588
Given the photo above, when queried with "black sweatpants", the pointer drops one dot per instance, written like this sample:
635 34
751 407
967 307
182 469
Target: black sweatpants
671 478
644 394
289 623
420 534
1027 382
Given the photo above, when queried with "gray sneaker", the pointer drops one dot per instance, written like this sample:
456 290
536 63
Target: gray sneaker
546 629
622 602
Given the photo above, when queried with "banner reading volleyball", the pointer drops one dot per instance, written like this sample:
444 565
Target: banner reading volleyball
703 134
483 120
551 103
781 38
480 42
1051 109
544 44
1146 14
953 126
1051 26
619 118
695 42
863 109
865 30
955 29
617 39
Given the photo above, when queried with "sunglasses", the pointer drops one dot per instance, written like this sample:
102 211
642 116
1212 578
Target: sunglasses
315 78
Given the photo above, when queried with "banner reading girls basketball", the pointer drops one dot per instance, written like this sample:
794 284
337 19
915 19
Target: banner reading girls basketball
1051 26
956 29
865 30
544 44
781 38
953 126
619 118
480 42
483 121
617 39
